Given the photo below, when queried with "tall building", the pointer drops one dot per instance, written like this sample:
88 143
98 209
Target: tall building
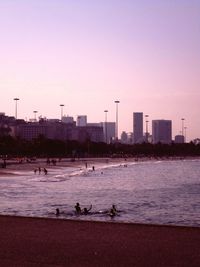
162 131
109 131
81 121
138 127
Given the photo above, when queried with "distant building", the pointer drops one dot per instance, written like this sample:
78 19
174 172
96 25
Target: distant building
81 121
124 138
130 138
87 133
162 131
109 131
67 119
96 124
138 127
179 139
47 129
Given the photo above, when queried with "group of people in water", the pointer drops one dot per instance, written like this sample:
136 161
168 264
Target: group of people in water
85 211
39 170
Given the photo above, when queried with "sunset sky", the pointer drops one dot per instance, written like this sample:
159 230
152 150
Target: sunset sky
86 54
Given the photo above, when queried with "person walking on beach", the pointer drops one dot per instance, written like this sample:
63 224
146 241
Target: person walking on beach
45 171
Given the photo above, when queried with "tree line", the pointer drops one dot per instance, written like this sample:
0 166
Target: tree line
43 147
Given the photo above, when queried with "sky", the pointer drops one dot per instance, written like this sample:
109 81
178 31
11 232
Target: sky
86 54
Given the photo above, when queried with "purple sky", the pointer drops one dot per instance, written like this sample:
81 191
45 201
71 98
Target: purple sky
86 54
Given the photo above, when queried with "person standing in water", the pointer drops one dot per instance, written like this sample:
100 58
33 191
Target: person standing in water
57 212
113 211
78 208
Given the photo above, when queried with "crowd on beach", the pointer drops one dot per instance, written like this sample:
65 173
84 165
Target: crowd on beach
85 211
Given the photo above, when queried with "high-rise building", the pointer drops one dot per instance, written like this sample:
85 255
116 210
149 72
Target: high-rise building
162 131
138 127
109 131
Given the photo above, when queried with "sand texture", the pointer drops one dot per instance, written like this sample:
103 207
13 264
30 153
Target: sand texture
56 242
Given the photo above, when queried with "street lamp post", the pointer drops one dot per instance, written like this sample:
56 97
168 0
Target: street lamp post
35 111
16 99
146 116
185 128
116 129
106 111
61 106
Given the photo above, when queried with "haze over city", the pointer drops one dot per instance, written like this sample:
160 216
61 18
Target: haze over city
87 54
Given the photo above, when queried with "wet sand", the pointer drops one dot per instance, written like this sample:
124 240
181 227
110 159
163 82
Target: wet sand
16 168
56 242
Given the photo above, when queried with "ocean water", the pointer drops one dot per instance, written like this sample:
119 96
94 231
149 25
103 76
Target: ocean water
154 192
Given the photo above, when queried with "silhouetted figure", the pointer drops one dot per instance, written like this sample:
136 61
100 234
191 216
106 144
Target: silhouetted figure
93 168
114 208
48 161
86 211
78 208
57 212
45 171
4 164
113 211
39 169
35 171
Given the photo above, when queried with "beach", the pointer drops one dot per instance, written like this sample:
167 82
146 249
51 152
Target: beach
14 165
54 242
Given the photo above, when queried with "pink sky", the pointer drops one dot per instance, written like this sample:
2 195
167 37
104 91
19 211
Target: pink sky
87 54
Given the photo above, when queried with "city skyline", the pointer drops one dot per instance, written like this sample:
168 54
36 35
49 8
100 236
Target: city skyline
85 55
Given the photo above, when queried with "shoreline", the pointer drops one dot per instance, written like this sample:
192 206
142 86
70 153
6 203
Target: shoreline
34 241
13 166
101 222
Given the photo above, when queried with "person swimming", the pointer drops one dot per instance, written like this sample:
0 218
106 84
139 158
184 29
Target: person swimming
86 211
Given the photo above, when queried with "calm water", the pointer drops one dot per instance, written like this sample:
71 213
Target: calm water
160 192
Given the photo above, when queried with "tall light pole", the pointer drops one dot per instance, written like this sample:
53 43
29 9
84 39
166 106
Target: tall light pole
183 129
16 99
106 111
146 116
61 106
35 111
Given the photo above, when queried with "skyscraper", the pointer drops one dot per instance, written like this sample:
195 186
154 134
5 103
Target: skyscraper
138 127
162 131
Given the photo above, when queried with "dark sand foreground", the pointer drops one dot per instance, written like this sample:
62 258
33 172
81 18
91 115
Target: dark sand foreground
55 242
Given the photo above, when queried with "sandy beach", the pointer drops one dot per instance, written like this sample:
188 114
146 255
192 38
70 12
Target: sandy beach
55 242
15 165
